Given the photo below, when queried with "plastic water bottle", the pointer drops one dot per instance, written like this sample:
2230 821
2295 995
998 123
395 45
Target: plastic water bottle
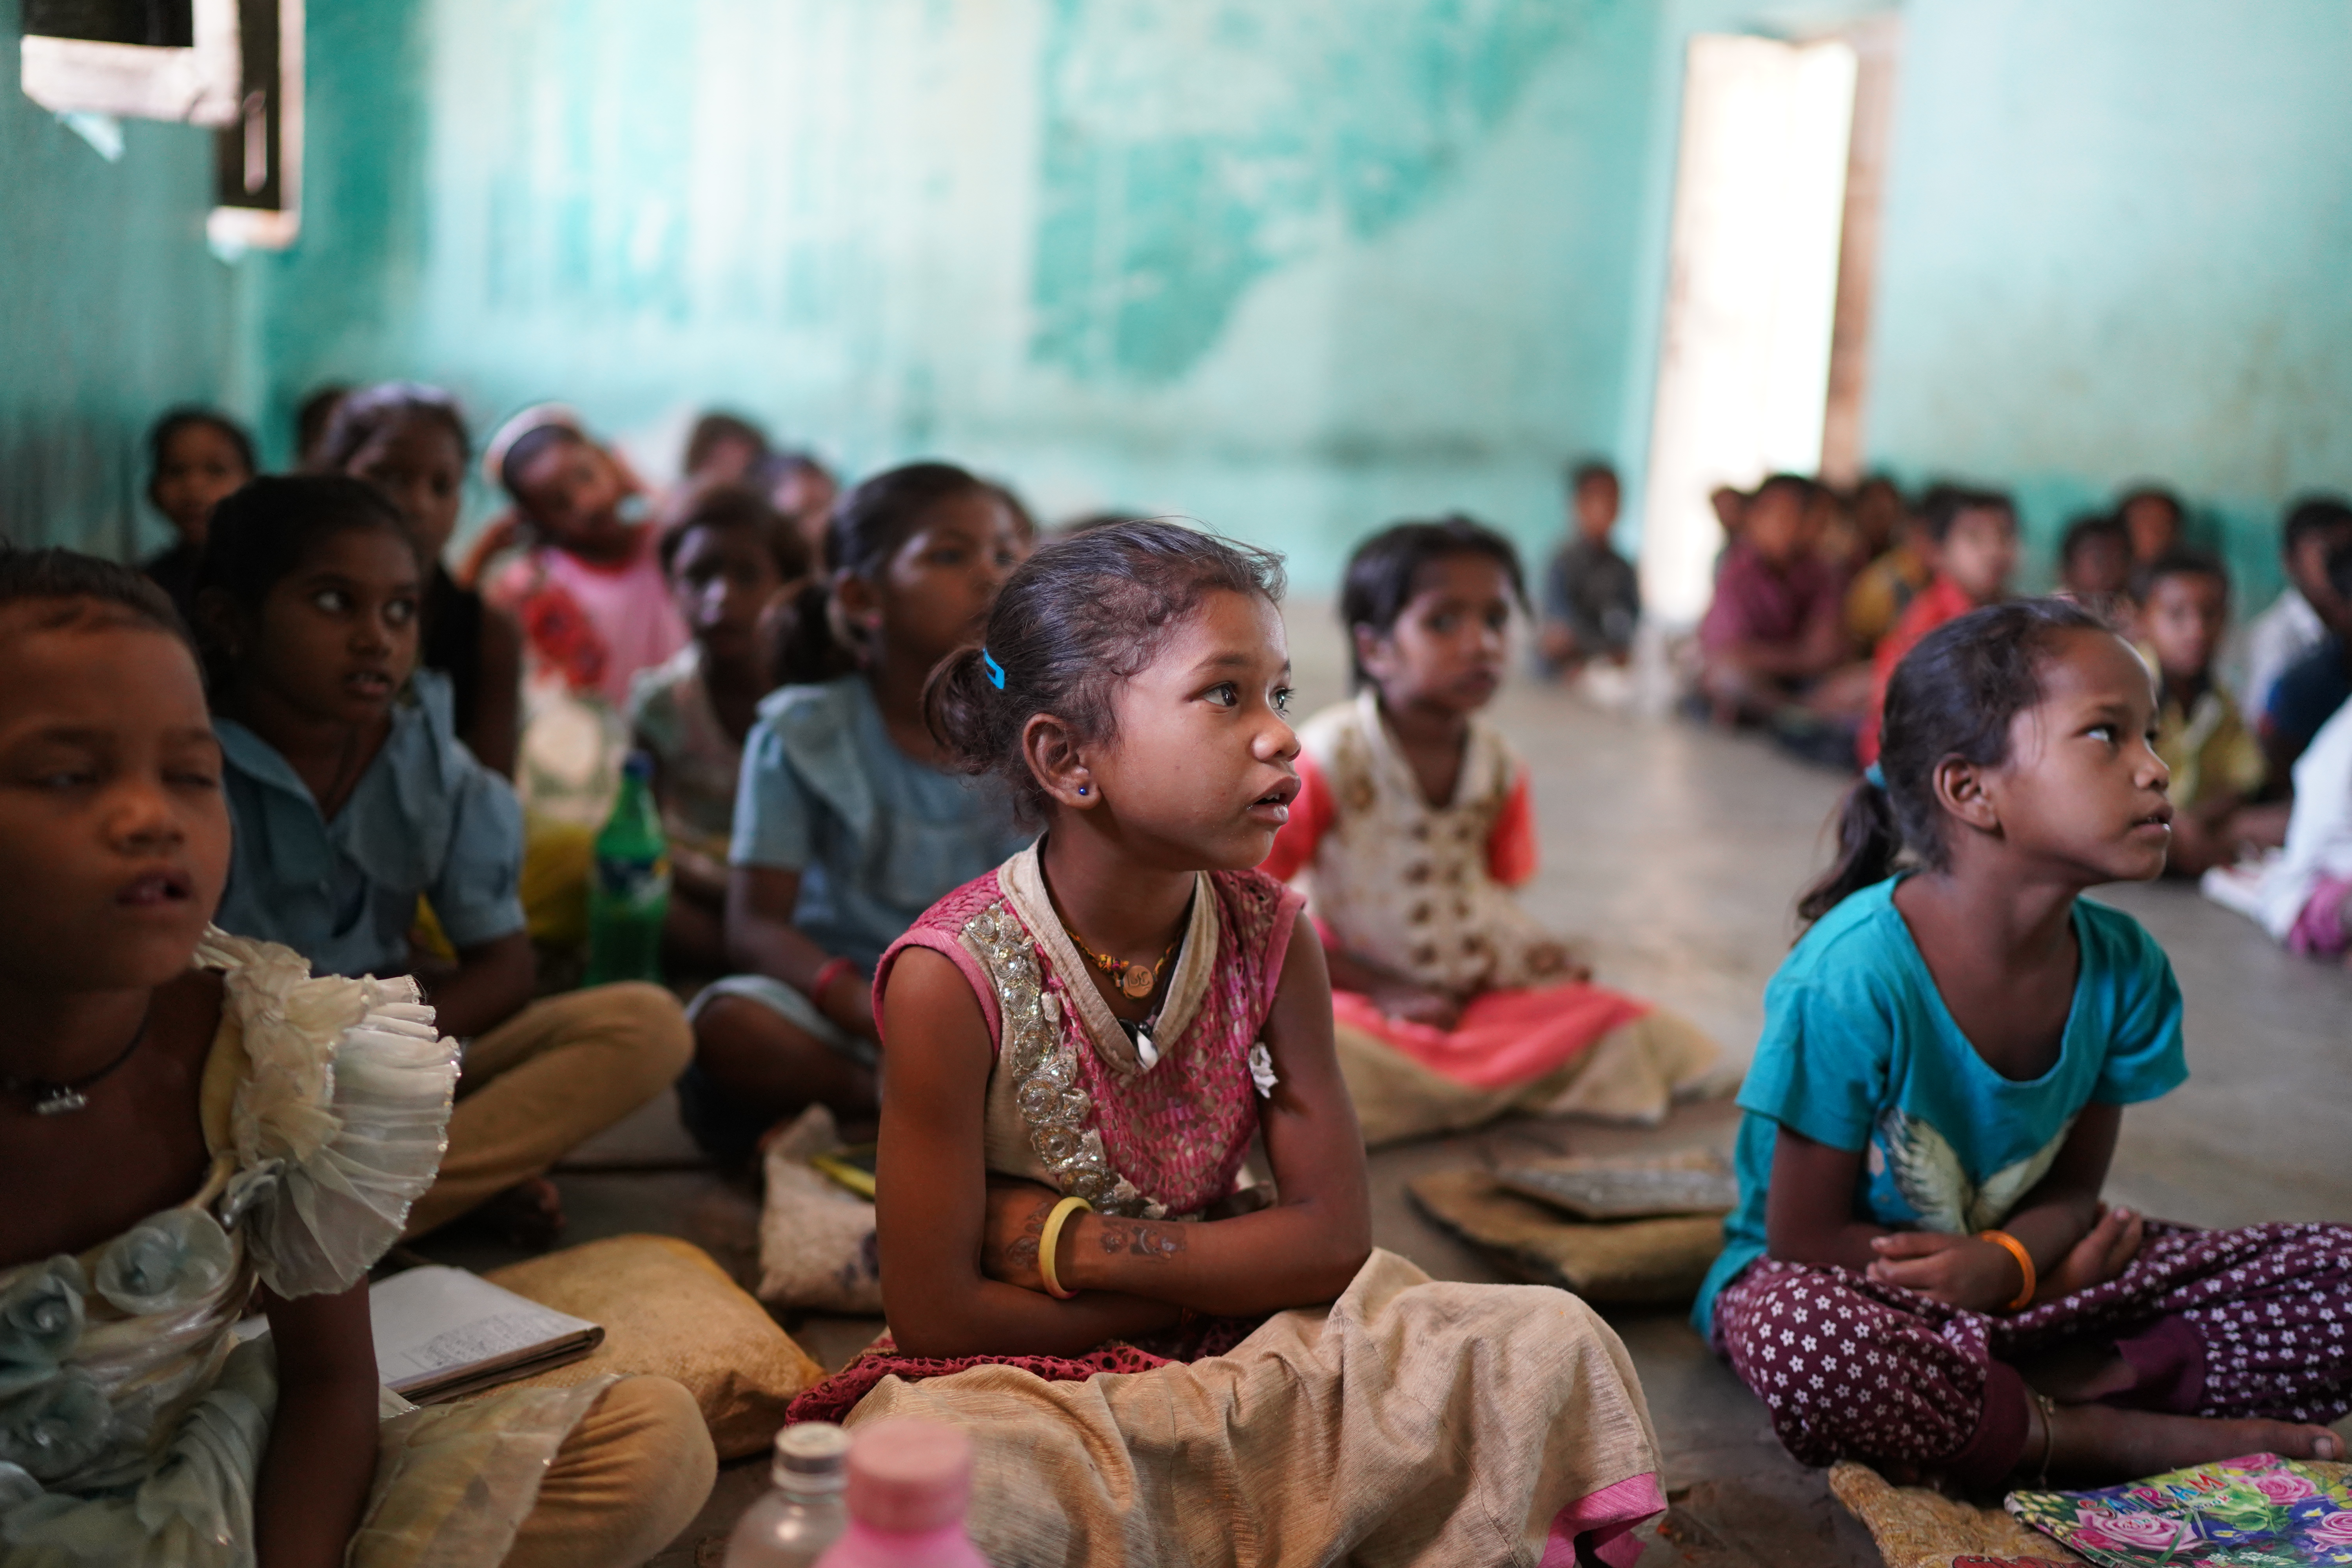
628 890
791 1526
910 1482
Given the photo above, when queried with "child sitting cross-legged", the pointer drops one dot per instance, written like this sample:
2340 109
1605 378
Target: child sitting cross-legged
729 557
196 1125
2216 762
1083 1045
1773 645
409 441
353 795
847 823
1592 597
2304 898
2095 566
1414 824
1946 1060
2298 620
195 457
1970 537
587 586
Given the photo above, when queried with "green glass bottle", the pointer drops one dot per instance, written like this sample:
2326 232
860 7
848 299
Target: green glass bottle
628 890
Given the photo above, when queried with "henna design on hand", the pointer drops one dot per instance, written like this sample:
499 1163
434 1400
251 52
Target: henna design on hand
1142 1239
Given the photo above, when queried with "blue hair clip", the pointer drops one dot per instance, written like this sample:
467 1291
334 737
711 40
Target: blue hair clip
1875 776
995 670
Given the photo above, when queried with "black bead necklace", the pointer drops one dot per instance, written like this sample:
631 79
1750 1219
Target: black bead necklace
54 1099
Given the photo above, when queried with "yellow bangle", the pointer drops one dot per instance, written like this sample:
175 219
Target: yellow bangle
1051 1242
2000 1238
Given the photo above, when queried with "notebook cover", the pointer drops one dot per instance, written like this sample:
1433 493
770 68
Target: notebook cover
2257 1511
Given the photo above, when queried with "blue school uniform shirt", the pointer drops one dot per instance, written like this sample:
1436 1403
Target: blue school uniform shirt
426 817
1860 1053
877 836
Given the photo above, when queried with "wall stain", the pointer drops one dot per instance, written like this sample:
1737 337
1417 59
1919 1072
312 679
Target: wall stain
1166 193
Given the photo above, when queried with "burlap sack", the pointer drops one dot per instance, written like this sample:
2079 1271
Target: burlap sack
1650 1261
668 1310
1916 1528
816 1239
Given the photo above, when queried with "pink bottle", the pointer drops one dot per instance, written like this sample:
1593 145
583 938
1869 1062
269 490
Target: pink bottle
910 1482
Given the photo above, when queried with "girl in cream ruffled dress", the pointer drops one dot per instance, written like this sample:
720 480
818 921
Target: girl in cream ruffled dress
194 1126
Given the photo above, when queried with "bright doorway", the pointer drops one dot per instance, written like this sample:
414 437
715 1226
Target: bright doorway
1744 366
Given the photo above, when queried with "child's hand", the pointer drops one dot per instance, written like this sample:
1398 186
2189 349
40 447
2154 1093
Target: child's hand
1417 1005
1957 1270
849 1002
1016 1224
2106 1250
1556 960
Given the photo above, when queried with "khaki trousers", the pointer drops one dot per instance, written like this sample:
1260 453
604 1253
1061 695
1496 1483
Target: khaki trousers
548 1078
535 1477
631 1477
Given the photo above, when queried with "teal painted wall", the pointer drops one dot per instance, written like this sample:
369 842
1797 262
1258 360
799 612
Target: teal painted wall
1294 270
111 308
2119 243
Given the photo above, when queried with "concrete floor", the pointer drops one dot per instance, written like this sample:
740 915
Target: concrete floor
1674 855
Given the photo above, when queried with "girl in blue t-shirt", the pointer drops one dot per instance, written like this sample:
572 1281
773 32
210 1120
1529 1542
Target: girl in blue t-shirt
846 825
1946 1059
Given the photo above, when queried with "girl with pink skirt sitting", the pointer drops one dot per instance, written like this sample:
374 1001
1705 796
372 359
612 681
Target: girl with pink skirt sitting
1454 1006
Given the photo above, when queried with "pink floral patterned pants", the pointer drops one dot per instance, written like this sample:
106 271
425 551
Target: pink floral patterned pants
2253 1321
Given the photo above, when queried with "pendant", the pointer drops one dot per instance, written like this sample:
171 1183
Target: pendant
1139 1036
1138 981
57 1098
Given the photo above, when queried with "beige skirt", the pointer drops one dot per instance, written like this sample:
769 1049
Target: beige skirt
1410 1422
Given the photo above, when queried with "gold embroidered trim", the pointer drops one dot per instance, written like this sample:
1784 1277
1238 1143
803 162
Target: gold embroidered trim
1044 1068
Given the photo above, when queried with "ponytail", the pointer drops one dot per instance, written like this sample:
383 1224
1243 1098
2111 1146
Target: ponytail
965 709
1869 842
1085 612
809 642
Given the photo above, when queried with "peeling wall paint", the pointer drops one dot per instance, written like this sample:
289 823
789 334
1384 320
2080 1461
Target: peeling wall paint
1293 269
1167 193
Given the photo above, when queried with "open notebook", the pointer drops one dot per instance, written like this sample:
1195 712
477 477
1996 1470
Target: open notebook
442 1333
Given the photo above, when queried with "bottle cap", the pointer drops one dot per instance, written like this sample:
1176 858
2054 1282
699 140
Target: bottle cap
639 766
811 1456
908 1477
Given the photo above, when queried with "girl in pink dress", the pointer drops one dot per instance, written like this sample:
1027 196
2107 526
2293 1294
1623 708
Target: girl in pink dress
1413 825
1159 1355
588 586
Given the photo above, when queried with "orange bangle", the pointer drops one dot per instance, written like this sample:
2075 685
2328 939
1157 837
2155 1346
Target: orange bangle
2016 1249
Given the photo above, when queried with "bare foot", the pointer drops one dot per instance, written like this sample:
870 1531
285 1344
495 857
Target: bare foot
2094 1442
529 1214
